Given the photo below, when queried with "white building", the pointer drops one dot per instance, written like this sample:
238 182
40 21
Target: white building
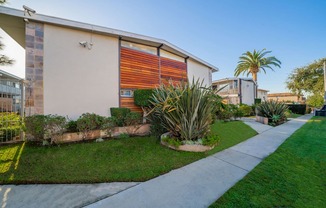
236 90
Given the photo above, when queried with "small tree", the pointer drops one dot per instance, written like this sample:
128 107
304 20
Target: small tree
142 99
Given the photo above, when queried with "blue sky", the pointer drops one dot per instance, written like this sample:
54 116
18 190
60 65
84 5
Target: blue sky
217 31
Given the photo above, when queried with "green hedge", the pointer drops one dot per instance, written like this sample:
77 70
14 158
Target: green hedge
119 115
257 101
142 97
297 108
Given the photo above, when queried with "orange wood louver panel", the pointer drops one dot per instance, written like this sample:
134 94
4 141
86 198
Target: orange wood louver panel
173 70
127 102
138 70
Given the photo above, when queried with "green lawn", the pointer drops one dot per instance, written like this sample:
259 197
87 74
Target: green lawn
131 159
294 115
294 176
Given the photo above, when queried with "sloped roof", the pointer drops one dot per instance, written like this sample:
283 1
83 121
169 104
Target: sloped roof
107 31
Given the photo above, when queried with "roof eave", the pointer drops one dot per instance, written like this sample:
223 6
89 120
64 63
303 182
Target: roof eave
99 29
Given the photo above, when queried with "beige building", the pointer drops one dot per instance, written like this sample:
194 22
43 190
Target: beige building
74 68
286 97
236 90
262 94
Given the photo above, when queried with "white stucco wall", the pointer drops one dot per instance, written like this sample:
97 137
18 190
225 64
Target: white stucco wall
247 91
200 71
78 80
262 95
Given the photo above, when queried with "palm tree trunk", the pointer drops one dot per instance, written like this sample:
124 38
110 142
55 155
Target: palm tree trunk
254 77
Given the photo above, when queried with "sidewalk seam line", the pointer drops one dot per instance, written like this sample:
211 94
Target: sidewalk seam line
105 197
245 153
234 165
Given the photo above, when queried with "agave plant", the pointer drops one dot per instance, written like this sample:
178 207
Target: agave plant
272 108
186 110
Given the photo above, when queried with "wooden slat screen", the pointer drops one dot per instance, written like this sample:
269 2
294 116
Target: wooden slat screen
172 70
140 70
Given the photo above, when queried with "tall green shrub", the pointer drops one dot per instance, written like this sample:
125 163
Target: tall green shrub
185 110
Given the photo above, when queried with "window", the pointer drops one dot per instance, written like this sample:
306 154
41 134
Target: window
172 56
139 47
235 84
126 93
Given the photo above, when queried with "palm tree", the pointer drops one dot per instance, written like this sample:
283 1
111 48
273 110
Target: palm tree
252 63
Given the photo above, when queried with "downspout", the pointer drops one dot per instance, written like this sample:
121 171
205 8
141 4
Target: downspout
239 89
325 82
119 58
186 61
159 63
22 106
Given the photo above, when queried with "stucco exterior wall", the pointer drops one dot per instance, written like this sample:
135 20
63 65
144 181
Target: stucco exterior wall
197 70
247 91
262 95
78 80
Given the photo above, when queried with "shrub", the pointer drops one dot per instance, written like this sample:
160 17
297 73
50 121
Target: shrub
90 121
132 118
108 125
272 108
185 110
246 109
156 128
119 115
10 126
54 125
72 126
45 127
257 101
35 126
298 108
211 140
142 97
230 111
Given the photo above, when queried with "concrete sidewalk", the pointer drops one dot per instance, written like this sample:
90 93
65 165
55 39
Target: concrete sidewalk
200 183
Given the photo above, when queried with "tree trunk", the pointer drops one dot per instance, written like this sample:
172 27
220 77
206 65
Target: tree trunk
254 77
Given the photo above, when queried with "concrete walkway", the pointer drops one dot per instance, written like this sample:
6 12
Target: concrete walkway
57 195
196 185
200 183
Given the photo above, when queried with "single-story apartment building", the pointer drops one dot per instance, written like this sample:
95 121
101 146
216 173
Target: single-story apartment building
74 67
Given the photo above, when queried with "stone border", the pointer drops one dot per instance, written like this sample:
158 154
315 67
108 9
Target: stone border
186 147
263 120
